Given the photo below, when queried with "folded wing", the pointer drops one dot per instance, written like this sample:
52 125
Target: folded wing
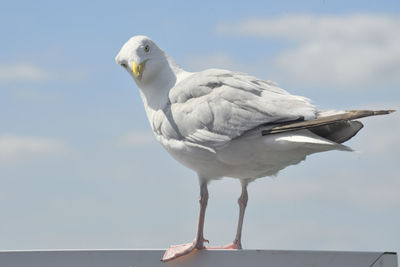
215 106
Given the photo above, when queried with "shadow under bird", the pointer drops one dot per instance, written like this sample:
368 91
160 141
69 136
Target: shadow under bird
221 123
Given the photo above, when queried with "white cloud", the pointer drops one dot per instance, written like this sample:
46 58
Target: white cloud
13 148
32 73
342 50
135 138
22 72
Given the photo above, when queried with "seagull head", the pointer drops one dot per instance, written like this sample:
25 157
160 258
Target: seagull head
142 58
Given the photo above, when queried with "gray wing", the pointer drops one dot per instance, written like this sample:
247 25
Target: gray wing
212 107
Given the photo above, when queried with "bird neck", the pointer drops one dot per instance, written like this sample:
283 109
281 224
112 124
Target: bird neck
155 93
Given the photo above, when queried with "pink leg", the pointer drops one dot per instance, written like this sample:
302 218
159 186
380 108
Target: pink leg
242 201
180 250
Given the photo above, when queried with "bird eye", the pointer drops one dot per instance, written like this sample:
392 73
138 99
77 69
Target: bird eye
147 48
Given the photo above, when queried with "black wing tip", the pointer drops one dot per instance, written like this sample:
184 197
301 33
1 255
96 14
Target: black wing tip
384 112
367 113
349 115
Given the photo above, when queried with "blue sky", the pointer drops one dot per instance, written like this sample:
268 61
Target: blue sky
79 167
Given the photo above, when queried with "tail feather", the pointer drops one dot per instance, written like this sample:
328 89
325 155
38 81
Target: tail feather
338 132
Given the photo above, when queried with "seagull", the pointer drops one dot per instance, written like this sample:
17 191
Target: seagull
221 123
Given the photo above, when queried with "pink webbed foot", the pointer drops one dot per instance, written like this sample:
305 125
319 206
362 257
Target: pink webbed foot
176 251
234 245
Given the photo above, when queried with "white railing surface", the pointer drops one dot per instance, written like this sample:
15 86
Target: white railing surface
209 258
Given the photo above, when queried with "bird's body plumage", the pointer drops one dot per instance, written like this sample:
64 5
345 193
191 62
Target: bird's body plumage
211 122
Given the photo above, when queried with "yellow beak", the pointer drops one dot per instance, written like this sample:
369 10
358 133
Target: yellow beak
137 69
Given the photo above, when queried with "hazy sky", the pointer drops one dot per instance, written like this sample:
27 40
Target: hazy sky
79 167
